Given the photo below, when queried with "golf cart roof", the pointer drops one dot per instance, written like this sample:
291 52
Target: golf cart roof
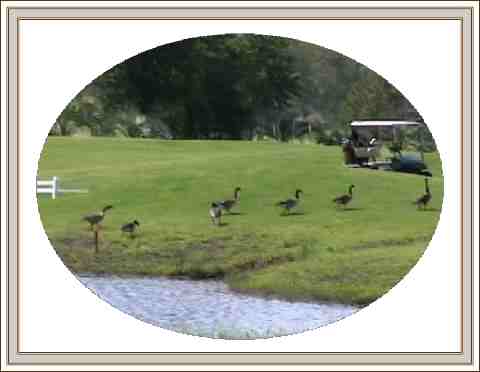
381 123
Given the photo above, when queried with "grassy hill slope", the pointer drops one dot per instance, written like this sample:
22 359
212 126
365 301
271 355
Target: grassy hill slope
320 253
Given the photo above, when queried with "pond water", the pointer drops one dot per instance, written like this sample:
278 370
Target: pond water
209 308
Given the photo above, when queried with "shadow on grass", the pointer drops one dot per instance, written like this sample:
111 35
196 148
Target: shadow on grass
292 214
350 209
430 210
234 214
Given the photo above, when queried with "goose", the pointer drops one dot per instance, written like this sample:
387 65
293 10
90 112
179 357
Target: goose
425 198
215 213
346 198
95 218
290 203
130 227
230 203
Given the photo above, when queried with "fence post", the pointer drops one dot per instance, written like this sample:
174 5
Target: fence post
54 187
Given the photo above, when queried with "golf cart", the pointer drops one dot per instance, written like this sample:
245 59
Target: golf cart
363 148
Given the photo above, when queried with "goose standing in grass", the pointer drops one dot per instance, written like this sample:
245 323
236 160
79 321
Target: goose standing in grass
290 203
215 213
346 198
227 205
423 200
130 228
95 218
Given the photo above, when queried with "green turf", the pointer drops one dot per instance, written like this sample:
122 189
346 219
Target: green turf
321 253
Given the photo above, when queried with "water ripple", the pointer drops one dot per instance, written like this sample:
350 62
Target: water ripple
209 308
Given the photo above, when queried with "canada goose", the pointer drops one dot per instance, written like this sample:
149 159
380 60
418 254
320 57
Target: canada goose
96 218
346 198
215 213
130 227
423 200
229 204
290 203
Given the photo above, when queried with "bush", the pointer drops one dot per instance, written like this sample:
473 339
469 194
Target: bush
329 137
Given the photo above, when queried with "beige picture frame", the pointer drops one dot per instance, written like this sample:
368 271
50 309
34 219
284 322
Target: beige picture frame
16 358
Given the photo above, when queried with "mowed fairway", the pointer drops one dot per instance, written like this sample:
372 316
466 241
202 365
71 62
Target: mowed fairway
321 253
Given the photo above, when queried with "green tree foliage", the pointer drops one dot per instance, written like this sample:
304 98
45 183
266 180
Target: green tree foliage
238 86
372 97
208 87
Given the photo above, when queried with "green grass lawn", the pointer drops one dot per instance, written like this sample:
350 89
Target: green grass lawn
320 253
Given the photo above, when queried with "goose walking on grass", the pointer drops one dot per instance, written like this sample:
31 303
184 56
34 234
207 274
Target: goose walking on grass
227 205
215 213
289 204
130 228
95 218
423 200
346 198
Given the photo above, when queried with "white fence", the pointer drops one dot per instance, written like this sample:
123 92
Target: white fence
48 187
52 187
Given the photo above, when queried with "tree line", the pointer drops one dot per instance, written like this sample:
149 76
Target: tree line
234 86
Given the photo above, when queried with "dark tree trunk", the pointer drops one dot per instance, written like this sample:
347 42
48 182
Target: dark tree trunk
190 127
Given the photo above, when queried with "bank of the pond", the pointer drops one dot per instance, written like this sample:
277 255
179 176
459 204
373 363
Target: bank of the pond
349 275
208 307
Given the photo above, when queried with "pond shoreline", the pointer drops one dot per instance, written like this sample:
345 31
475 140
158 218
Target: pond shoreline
209 308
252 293
305 271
